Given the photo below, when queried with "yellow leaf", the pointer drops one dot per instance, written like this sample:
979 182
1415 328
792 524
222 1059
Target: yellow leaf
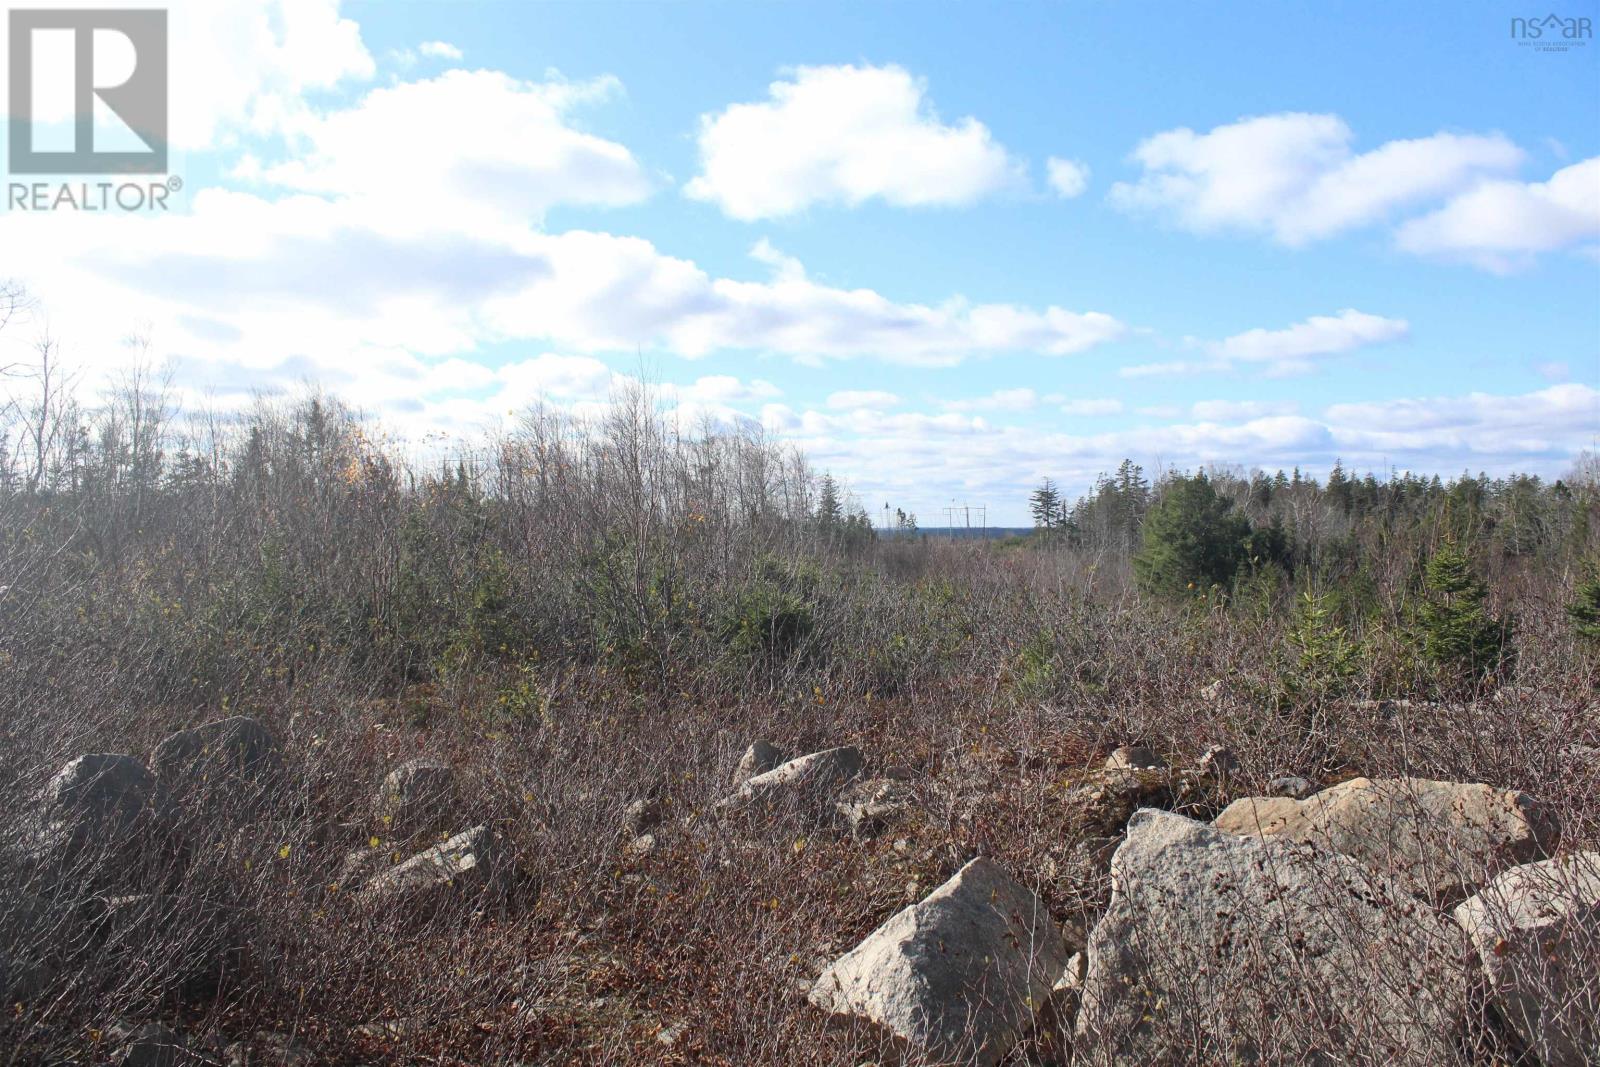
373 842
283 853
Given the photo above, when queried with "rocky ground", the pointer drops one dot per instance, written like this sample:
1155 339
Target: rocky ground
1183 920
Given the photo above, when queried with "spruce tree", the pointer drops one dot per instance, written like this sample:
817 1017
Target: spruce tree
1192 538
1584 611
1457 631
1045 504
830 512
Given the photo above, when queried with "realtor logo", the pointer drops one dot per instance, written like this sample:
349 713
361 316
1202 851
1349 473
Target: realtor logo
79 59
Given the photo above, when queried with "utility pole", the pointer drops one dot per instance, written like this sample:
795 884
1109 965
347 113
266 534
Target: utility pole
964 511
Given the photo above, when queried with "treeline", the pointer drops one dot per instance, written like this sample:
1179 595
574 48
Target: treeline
1293 521
1409 551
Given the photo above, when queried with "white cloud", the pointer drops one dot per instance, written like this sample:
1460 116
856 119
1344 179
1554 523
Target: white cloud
726 389
1501 225
844 135
853 399
1278 353
252 283
404 150
1068 177
440 50
1295 176
1089 408
911 464
1549 409
550 376
1239 410
1292 349
1023 399
1171 369
785 268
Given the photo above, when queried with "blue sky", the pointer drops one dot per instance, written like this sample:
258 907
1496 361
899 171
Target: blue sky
946 249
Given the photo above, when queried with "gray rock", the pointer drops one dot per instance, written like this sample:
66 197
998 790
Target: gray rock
102 788
641 816
235 762
175 941
1444 840
32 953
1101 802
1537 930
959 976
872 806
153 1045
1134 758
361 865
468 864
419 797
808 787
99 810
268 1049
1225 949
759 758
1289 785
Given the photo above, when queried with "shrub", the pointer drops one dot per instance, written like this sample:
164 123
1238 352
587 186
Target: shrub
766 622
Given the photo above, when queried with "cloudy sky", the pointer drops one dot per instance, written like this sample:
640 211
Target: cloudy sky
947 249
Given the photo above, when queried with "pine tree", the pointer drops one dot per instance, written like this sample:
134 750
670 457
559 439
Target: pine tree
1584 611
1340 488
1045 504
1192 538
830 512
1326 660
1456 630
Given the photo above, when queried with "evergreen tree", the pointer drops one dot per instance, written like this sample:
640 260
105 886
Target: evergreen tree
1260 490
1457 632
1045 505
1340 488
1192 538
1326 659
1270 544
830 511
1584 611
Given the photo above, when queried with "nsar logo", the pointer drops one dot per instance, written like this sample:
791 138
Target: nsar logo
1552 33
